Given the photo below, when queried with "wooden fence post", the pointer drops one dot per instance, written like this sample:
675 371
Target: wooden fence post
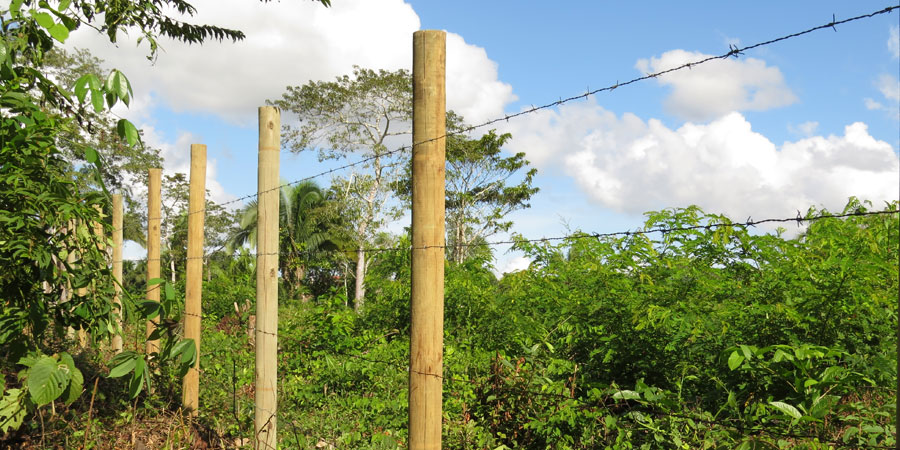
154 217
194 275
117 212
267 280
427 285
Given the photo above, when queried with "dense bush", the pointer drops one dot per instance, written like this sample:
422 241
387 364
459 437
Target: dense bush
713 337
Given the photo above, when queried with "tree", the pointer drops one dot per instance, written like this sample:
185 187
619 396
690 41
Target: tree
480 188
355 114
123 165
300 235
45 216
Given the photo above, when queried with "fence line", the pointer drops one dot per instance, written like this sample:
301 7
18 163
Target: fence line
749 223
733 52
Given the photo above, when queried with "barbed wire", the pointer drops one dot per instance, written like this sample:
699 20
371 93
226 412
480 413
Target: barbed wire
733 51
749 223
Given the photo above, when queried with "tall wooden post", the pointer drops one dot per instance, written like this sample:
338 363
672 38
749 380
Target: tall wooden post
427 328
194 277
154 217
117 212
267 279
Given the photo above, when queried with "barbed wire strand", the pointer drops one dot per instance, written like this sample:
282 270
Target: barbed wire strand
734 51
749 223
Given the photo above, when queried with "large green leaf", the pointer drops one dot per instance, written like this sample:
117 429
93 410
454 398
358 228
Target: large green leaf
91 155
76 379
43 19
787 409
735 360
184 351
149 309
137 379
122 364
12 410
97 99
126 130
59 32
81 87
47 380
626 395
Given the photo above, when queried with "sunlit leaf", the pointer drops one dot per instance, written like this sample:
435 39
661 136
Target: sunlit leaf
46 382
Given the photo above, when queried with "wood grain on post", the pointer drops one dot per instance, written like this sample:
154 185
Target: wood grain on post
154 216
194 276
117 212
427 288
267 279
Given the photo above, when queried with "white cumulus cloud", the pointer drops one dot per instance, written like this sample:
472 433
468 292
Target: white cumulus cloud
516 264
291 43
633 166
177 159
718 87
287 43
473 87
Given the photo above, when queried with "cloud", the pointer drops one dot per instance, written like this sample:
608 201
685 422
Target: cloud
177 159
873 104
893 42
516 264
286 43
633 166
889 86
473 87
804 129
718 87
291 43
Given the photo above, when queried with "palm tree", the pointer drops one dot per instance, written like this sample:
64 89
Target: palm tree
300 237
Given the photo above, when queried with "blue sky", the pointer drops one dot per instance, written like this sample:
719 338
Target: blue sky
808 121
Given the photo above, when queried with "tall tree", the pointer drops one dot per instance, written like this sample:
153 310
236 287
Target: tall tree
482 187
355 115
45 216
300 235
124 166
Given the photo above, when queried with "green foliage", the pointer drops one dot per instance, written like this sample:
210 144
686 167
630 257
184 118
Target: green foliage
355 115
180 353
232 281
305 231
482 187
707 338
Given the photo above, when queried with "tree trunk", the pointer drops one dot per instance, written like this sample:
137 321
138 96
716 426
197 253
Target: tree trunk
360 297
298 280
